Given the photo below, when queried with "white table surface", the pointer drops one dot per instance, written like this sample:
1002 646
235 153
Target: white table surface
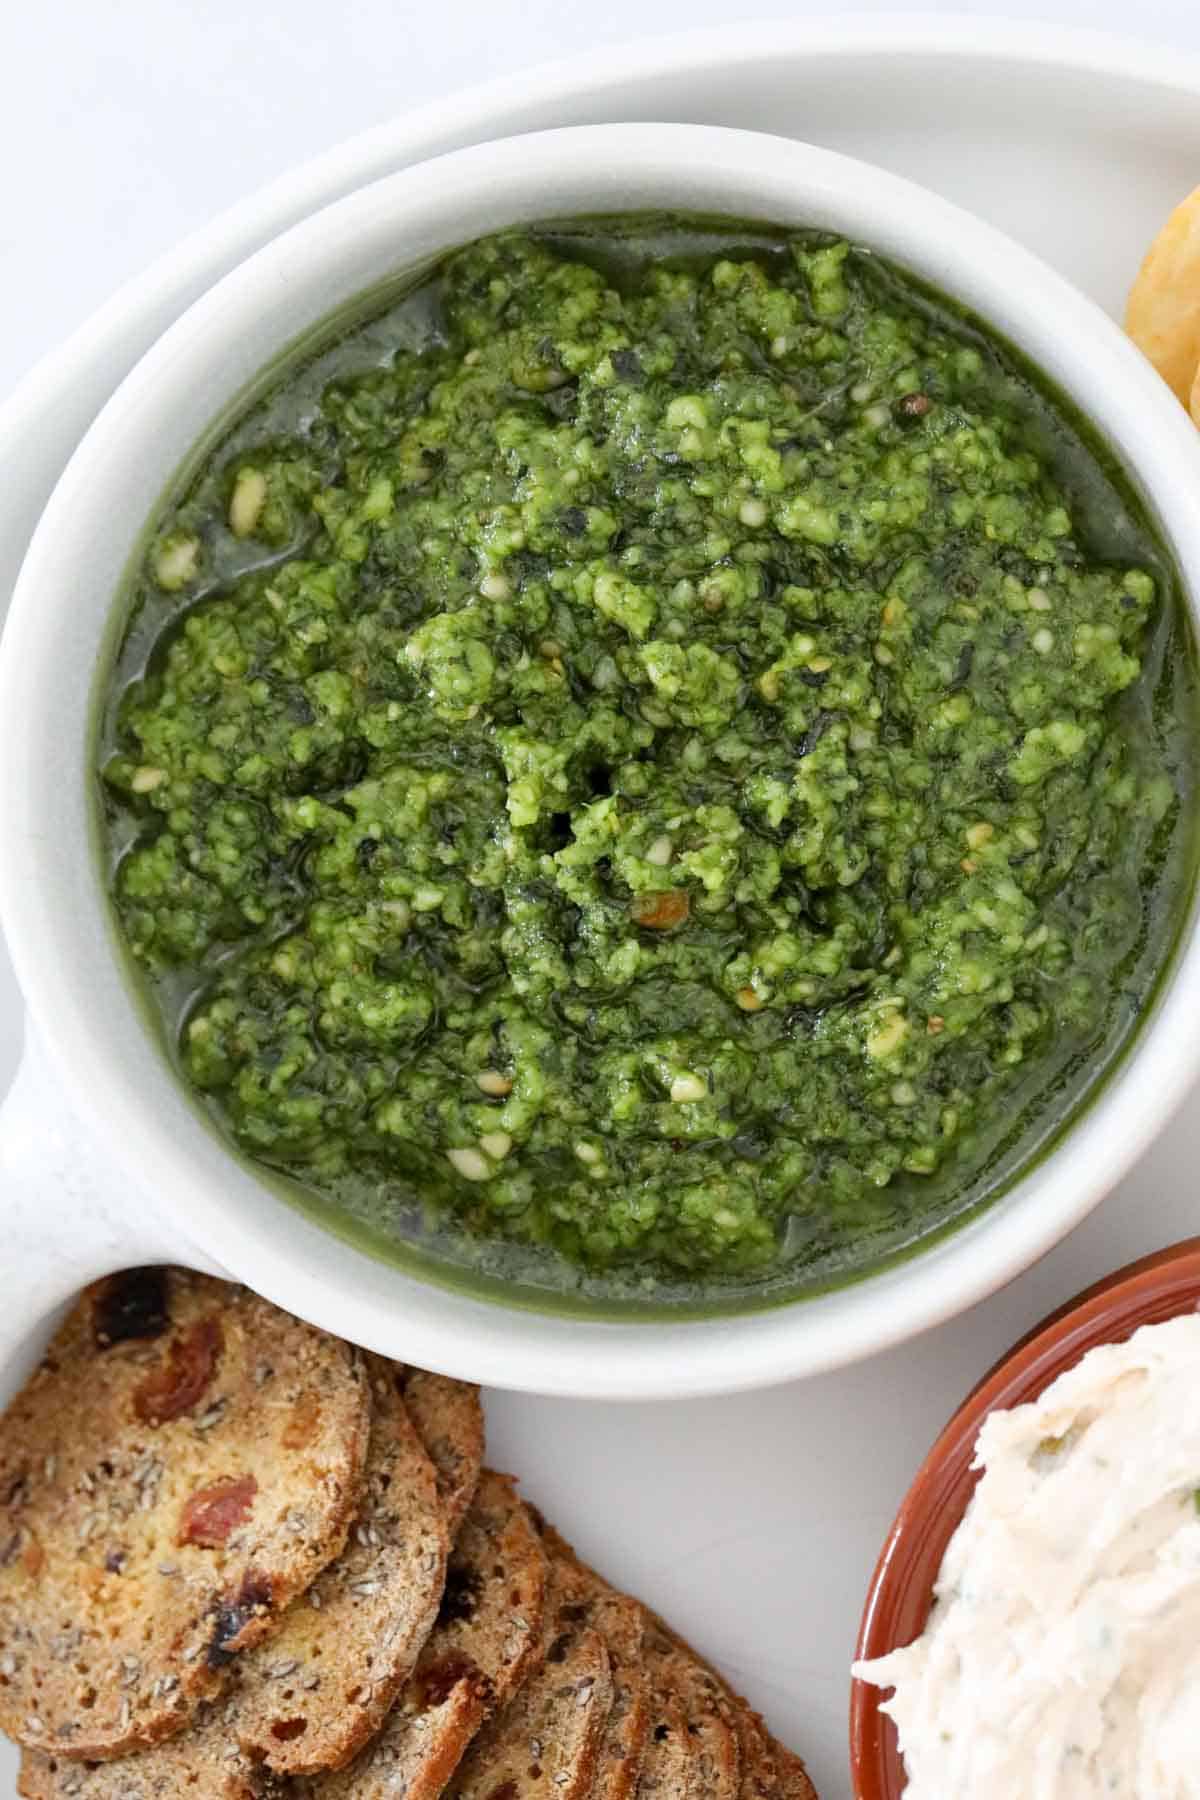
125 124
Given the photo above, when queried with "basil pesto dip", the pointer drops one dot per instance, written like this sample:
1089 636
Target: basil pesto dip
661 763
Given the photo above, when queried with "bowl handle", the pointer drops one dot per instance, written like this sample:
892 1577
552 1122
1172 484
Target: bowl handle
68 1216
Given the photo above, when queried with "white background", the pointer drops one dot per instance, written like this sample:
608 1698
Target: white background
125 124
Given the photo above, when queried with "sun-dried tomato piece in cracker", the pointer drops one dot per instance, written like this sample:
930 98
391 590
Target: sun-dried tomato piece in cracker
181 1381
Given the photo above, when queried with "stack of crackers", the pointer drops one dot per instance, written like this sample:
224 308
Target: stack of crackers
241 1559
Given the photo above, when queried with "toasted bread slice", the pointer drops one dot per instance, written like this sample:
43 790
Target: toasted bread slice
760 1767
668 1767
423 1740
707 1709
544 1745
794 1780
585 1598
768 1770
203 1763
487 1641
494 1607
183 1462
448 1418
322 1687
313 1696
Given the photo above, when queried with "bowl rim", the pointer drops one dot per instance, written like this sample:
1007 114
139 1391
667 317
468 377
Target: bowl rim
607 1360
1161 1285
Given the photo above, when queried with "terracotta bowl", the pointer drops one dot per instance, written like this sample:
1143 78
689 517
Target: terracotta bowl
901 1593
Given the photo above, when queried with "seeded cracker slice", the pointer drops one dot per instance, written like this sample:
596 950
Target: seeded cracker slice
544 1744
422 1744
184 1461
487 1642
713 1737
449 1420
794 1782
203 1763
668 1769
313 1696
625 1729
761 1758
494 1608
586 1598
760 1765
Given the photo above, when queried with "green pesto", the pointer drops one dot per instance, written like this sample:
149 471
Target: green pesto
663 756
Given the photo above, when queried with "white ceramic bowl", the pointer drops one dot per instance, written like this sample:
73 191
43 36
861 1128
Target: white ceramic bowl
153 1181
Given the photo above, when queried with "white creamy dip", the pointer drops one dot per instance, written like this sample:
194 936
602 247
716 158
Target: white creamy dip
1062 1657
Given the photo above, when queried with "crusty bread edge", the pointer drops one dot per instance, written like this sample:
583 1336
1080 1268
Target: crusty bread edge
797 1785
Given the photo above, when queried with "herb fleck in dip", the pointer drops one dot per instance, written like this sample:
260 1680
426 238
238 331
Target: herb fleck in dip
665 746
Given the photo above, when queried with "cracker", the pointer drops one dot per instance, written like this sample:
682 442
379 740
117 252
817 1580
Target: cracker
668 1768
586 1598
183 1462
494 1608
487 1641
768 1770
449 1420
760 1764
421 1745
794 1780
714 1739
313 1695
202 1763
1162 315
322 1687
545 1743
